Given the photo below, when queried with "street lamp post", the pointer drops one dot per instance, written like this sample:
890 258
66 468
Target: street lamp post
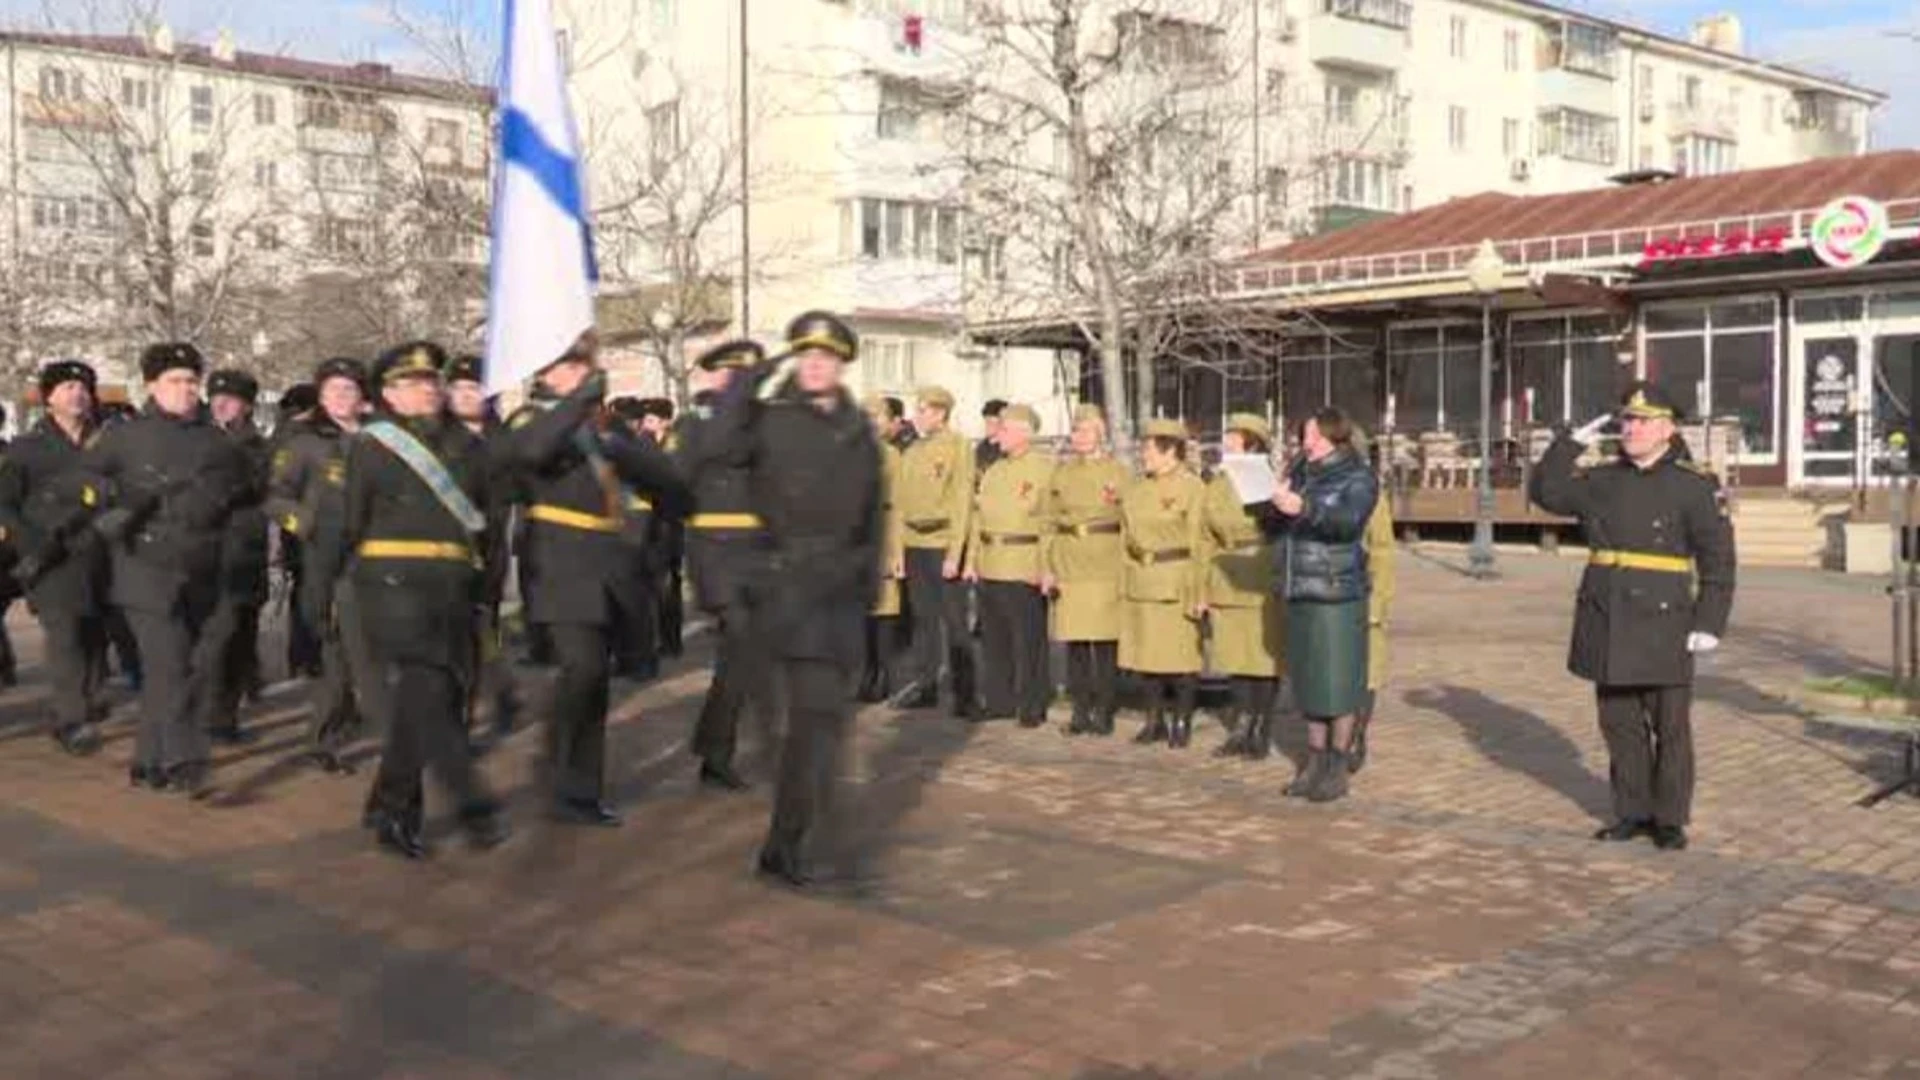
1485 273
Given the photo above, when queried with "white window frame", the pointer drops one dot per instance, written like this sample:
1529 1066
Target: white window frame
1782 340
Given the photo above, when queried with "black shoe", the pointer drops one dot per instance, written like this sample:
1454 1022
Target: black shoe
1031 722
193 779
1357 758
1103 725
783 866
330 763
485 830
1332 786
1155 730
917 696
1669 838
1181 734
1308 778
1081 724
398 838
1622 831
1237 733
720 776
1259 739
152 777
80 740
232 736
586 812
9 678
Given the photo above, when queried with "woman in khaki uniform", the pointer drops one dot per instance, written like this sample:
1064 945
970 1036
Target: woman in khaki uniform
1085 563
876 683
1380 564
1162 521
1248 624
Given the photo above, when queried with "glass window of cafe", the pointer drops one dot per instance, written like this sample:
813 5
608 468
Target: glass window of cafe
1564 368
1436 378
1337 368
1720 361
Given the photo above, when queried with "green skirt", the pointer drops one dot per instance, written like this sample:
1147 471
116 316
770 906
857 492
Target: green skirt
1327 657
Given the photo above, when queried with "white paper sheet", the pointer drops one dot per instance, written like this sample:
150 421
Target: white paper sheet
1251 476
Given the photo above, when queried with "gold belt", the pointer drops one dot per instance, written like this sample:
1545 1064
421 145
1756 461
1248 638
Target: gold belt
927 525
1008 539
1642 560
573 519
637 503
724 521
442 550
1098 528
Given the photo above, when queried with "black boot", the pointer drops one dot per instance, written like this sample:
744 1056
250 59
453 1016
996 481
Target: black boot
1181 732
1259 736
1307 780
966 700
1082 723
919 695
1154 731
1236 744
1332 785
1357 758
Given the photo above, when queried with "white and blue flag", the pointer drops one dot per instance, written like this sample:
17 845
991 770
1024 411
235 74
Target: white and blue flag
540 299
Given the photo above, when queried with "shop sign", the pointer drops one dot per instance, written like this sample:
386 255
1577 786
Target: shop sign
1679 248
1848 232
1829 392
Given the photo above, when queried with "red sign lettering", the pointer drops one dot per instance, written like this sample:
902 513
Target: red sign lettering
1736 242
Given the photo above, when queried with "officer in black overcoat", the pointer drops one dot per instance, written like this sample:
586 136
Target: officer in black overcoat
291 414
1656 593
577 469
723 545
469 406
47 502
170 483
233 633
416 540
814 475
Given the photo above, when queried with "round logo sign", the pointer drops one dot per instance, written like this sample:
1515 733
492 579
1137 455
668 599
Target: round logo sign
1849 232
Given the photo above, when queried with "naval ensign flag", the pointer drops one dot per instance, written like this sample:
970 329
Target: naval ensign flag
541 295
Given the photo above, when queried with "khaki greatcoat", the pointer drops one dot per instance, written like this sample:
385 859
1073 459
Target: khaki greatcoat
1168 555
1248 625
1087 556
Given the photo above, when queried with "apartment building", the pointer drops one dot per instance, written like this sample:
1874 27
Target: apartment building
273 209
862 177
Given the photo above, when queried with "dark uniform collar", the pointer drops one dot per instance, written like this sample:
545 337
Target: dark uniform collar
51 427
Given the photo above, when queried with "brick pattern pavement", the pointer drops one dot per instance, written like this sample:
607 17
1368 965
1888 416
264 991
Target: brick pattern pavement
1028 905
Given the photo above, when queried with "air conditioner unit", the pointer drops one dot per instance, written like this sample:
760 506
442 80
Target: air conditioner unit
1289 28
1521 169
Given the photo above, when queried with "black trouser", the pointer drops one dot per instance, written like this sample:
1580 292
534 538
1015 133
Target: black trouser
9 666
882 648
174 664
1649 733
939 610
1093 679
636 642
1180 693
76 651
1253 697
673 611
349 691
577 730
231 636
427 729
1013 650
494 682
126 648
739 675
817 711
304 646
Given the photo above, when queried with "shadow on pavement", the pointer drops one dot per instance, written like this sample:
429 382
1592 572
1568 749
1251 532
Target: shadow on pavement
1519 741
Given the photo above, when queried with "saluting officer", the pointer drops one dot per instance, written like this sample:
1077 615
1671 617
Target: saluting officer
1246 623
171 482
883 622
292 412
578 468
46 501
233 633
636 642
1657 592
1007 556
935 497
469 406
813 468
723 539
1086 562
667 540
303 497
416 539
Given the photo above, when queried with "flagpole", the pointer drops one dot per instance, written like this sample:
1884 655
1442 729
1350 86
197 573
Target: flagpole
746 189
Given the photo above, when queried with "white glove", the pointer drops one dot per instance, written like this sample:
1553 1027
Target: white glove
1585 435
1702 643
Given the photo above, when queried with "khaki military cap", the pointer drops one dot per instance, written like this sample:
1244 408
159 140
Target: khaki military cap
1252 424
1165 429
936 396
1084 413
1021 414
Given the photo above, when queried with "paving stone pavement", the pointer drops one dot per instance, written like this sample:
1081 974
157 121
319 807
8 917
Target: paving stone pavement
1020 904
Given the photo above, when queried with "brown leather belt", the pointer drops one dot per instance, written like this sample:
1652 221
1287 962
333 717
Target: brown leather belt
927 525
1008 539
1164 555
1098 528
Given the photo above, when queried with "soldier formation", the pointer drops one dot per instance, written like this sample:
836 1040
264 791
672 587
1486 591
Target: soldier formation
840 551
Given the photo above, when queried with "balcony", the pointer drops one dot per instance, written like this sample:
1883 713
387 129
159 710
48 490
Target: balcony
1714 119
1367 35
66 113
337 140
1380 134
1824 125
1572 88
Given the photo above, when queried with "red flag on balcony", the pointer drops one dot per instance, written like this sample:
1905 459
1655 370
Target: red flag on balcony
913 32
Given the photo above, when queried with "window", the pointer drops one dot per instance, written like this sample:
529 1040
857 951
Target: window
1457 37
1510 50
1343 104
1392 13
989 261
1357 181
200 101
200 166
947 246
898 229
1160 43
1438 372
200 239
343 172
1767 109
1734 102
266 237
1510 138
135 94
59 84
1318 370
563 49
443 134
266 174
1579 136
663 136
1719 361
72 214
1590 49
907 112
344 236
894 363
266 110
1275 188
1703 155
1563 367
1690 91
1276 86
663 14
1456 127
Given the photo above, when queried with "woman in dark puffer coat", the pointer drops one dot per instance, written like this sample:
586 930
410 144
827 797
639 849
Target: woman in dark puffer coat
1319 517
